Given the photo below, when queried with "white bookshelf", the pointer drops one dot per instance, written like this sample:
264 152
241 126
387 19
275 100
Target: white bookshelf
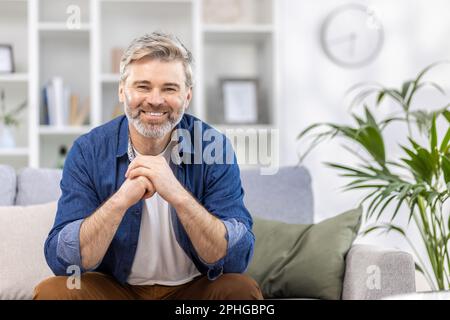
65 130
45 47
14 77
14 152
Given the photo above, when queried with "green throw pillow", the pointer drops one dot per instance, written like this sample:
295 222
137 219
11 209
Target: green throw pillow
303 261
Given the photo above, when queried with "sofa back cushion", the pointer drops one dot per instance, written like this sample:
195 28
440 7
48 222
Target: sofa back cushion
285 196
8 185
23 230
35 186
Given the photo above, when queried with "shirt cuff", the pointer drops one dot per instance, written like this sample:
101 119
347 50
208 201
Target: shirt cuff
235 230
68 246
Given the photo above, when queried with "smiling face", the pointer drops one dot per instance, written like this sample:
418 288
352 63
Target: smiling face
155 96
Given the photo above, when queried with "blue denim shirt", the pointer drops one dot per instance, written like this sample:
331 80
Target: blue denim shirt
95 169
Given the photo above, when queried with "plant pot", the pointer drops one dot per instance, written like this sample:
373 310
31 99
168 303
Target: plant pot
6 137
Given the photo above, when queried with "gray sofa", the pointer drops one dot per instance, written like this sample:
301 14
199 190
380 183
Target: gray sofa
288 194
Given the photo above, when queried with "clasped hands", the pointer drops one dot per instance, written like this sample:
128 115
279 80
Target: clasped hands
149 174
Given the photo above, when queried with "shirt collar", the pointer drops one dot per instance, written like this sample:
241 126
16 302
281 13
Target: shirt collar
124 145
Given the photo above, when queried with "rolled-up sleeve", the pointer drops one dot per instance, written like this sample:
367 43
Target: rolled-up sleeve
224 198
78 201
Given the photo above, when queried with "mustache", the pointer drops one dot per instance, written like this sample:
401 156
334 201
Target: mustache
150 108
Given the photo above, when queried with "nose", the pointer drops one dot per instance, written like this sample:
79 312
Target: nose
154 98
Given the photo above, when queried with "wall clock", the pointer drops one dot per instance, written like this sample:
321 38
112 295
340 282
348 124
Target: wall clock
352 35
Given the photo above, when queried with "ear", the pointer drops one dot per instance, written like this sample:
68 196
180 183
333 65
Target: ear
121 92
188 98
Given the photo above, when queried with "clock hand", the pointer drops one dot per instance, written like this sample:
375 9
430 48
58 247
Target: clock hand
342 39
352 44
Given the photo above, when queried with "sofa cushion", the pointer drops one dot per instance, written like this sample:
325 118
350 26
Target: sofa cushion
7 185
303 261
23 230
285 196
35 186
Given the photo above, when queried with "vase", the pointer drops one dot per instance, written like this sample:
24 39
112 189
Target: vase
6 136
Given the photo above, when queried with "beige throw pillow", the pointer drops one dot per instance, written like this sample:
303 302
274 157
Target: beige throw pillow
23 230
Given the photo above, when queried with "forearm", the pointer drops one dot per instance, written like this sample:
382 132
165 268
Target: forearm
206 232
98 230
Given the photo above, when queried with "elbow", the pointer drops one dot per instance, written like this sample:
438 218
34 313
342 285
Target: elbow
55 264
240 256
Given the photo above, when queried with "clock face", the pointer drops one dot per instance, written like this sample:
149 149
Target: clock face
352 35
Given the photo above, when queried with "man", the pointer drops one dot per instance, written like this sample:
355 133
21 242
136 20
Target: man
137 223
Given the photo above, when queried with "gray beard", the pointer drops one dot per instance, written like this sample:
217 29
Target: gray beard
151 130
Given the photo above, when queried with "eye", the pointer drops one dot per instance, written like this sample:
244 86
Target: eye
170 89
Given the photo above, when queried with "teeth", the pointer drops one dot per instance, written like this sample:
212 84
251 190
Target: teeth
154 113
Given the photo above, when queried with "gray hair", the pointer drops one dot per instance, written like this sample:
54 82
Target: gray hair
157 45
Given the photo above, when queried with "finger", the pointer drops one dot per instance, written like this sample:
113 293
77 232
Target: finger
140 161
150 189
133 164
140 171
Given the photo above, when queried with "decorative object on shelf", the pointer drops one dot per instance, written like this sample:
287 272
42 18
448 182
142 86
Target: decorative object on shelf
74 102
118 111
240 100
6 59
82 117
419 180
116 55
61 157
352 35
222 11
8 119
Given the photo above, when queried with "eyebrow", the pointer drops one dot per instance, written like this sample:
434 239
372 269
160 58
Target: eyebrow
167 84
141 82
171 84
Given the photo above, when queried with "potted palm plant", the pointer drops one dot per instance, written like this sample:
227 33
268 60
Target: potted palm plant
8 119
416 184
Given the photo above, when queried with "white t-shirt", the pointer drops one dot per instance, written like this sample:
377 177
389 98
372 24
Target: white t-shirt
159 258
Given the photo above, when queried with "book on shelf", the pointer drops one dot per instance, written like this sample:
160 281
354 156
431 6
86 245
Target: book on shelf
61 107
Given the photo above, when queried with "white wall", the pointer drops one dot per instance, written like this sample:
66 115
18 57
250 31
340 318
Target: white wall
312 87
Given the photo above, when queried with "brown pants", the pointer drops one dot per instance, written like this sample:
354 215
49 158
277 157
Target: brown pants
99 286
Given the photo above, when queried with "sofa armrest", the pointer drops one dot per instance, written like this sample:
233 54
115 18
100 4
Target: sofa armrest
372 273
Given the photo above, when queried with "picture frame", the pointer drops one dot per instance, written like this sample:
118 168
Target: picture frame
239 100
222 11
6 58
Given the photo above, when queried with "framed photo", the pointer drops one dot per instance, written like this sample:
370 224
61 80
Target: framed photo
240 100
6 59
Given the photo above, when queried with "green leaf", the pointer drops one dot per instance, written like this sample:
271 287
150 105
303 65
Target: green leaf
406 88
433 134
428 68
386 203
431 84
446 168
444 144
418 268
447 115
380 97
